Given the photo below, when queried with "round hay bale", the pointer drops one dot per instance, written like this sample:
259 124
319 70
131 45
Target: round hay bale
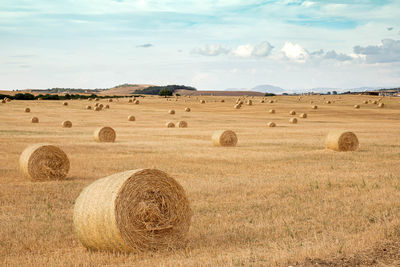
237 106
271 101
8 99
272 111
42 162
35 120
375 102
96 99
365 102
311 102
381 105
292 112
90 99
136 102
187 109
170 124
314 107
328 102
130 101
224 138
136 210
101 106
65 103
96 104
66 124
27 110
222 100
110 100
249 102
262 101
182 124
3 101
341 141
356 106
271 124
202 101
88 107
104 134
107 106
97 108
303 115
131 118
171 111
293 121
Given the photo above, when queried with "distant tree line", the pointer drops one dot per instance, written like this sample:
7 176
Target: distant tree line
28 96
167 90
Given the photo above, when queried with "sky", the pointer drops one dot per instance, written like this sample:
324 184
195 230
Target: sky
208 44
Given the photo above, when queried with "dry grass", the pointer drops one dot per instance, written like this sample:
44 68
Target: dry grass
277 198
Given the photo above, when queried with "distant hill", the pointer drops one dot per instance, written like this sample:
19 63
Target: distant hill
154 90
219 93
125 89
268 88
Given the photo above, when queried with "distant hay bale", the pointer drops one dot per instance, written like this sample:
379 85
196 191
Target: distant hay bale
314 107
237 106
39 99
357 106
66 124
42 162
101 106
97 108
131 118
222 100
311 102
224 138
182 124
375 102
107 106
90 99
293 121
96 104
328 102
272 111
381 105
342 141
187 109
249 102
292 112
65 103
262 101
271 124
171 111
96 99
88 107
303 115
110 100
202 101
35 120
271 101
104 134
136 210
27 110
8 99
136 102
170 124
3 101
365 102
130 101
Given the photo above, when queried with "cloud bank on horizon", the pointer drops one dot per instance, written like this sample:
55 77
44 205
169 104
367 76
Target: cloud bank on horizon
209 44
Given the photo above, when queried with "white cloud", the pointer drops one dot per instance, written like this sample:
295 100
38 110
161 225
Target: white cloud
211 50
244 50
295 52
261 50
387 51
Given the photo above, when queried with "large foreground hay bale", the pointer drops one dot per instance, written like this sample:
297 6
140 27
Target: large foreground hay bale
342 141
27 110
42 162
170 124
66 124
135 210
187 109
35 120
224 138
271 124
131 118
104 134
182 124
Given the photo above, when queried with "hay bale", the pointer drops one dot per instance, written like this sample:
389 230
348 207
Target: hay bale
96 99
187 109
271 101
314 107
96 104
224 138
136 102
365 102
97 108
65 103
249 102
272 111
130 101
341 141
292 112
107 106
375 102
41 162
303 115
222 100
293 121
171 111
88 107
90 99
356 106
110 100
3 101
381 105
262 101
27 110
35 120
104 134
328 102
101 106
8 99
202 101
182 124
131 118
237 106
271 124
170 124
136 210
66 124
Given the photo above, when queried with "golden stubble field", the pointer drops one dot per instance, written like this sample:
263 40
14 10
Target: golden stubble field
277 198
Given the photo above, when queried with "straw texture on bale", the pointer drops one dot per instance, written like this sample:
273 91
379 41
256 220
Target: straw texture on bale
272 111
65 103
27 110
171 111
131 118
35 120
342 141
170 124
381 105
356 106
104 134
303 115
88 107
187 109
182 124
66 124
224 138
293 120
42 162
136 210
271 124
292 112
